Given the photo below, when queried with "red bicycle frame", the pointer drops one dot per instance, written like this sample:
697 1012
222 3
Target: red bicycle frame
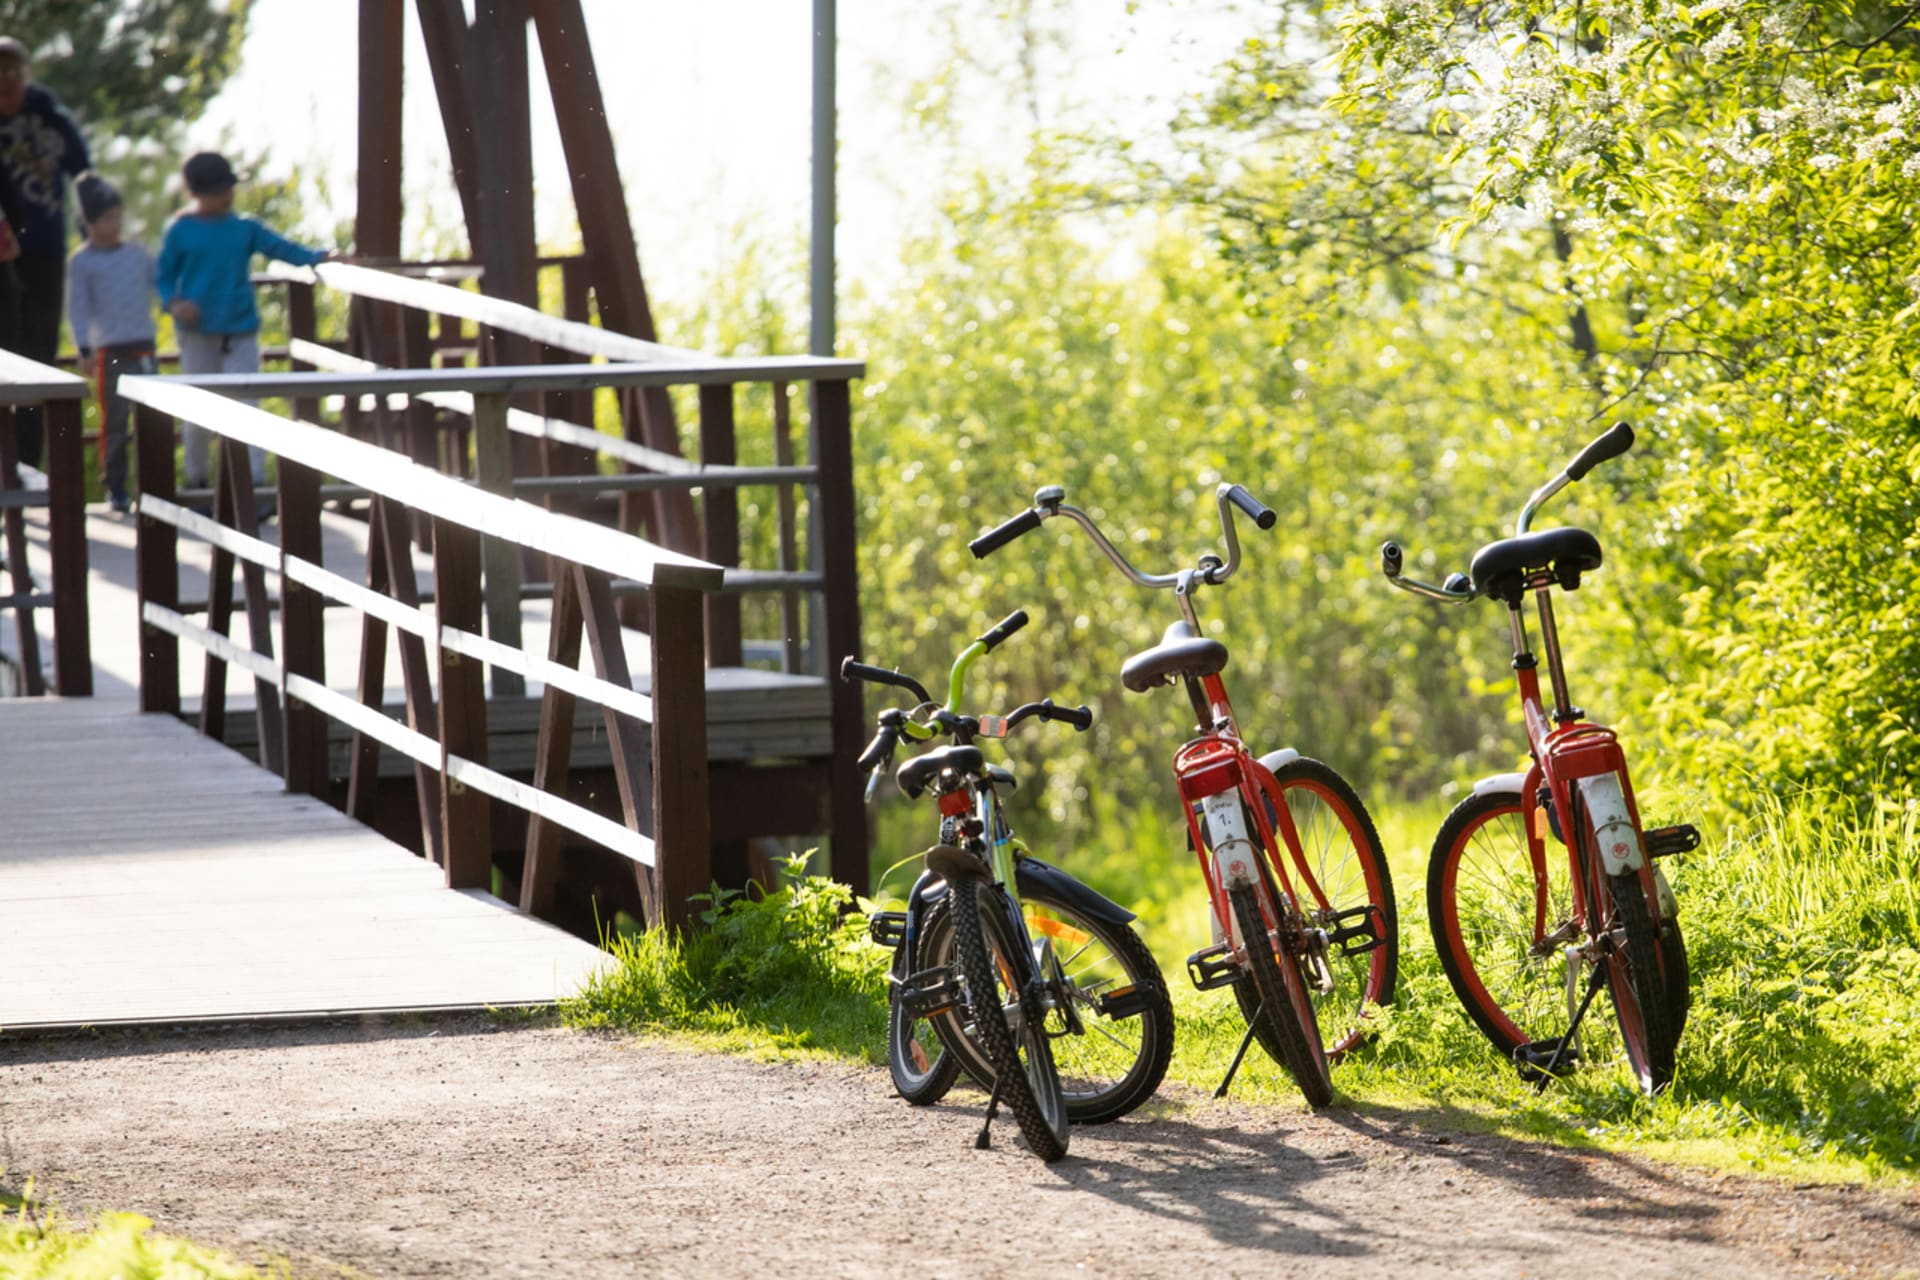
1218 762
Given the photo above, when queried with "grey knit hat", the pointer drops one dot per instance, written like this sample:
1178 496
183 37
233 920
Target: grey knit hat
97 196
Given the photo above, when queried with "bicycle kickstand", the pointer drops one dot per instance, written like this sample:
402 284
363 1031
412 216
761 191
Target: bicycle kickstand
1240 1053
985 1139
1573 1028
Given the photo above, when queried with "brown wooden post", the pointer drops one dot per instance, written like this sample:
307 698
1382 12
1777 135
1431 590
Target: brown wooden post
465 817
302 628
720 509
631 774
19 569
787 510
213 669
553 753
838 562
156 562
377 208
253 582
443 28
67 531
682 840
302 322
493 460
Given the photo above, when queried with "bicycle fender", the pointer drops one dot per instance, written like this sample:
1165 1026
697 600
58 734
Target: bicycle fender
1278 760
1030 873
1514 782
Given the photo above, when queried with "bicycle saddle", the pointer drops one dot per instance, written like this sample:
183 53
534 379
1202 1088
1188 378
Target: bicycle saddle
1500 569
913 776
1180 653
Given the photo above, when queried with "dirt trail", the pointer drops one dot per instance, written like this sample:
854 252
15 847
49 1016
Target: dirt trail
461 1149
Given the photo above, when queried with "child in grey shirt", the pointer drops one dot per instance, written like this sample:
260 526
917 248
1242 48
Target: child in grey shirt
110 305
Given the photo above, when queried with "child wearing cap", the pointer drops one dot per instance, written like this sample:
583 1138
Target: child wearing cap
110 305
206 284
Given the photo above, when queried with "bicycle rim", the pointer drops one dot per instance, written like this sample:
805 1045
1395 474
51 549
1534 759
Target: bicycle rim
1343 860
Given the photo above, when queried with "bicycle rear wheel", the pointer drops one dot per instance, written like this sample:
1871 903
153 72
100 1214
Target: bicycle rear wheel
1285 1019
1003 1017
1341 857
922 1067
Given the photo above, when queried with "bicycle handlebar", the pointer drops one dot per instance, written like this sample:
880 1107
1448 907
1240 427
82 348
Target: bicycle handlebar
1007 625
1051 501
851 670
1081 717
1458 588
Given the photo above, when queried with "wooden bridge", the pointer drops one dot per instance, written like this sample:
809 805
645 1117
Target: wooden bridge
447 568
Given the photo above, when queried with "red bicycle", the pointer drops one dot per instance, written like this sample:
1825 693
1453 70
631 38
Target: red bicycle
1305 930
1515 934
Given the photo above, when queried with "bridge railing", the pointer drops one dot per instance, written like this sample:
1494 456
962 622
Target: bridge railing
665 806
61 490
535 437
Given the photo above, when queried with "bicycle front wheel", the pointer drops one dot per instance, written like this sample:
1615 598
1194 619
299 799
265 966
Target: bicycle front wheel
1124 1043
1340 861
1284 1019
1502 924
1003 1015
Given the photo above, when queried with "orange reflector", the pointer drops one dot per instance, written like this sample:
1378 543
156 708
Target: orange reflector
1540 823
1059 930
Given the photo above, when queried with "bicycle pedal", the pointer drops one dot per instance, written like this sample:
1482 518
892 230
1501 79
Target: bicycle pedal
1532 1059
1367 931
1125 1002
1212 966
1663 842
888 928
929 992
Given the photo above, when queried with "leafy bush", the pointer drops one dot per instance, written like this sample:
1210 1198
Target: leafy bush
120 1246
788 970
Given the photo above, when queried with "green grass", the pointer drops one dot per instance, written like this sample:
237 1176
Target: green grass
1801 1056
36 1242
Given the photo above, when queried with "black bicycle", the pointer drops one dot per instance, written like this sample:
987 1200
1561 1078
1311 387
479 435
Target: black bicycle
1083 1012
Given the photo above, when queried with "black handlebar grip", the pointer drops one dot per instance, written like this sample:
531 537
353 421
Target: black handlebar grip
1081 717
1391 558
994 539
1261 513
1617 440
878 750
1008 625
851 670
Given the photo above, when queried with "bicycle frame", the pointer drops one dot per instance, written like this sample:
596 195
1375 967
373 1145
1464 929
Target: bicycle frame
1218 764
1567 749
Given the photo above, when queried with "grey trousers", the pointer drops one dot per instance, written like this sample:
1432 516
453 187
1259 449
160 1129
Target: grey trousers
217 353
121 361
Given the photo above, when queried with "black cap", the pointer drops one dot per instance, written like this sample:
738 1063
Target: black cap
97 195
208 172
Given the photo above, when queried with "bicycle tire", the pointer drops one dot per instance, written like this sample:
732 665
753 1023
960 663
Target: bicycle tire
923 1077
1636 983
1367 883
1023 1064
1482 891
1285 1008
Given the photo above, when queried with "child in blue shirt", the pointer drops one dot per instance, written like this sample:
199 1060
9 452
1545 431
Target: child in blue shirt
110 286
205 282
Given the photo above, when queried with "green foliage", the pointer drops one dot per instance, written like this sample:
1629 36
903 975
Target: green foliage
789 970
1733 189
36 1244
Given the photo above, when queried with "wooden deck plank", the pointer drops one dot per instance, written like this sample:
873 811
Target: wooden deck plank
149 875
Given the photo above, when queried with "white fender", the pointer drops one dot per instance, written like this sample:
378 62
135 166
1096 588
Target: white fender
1277 760
1500 782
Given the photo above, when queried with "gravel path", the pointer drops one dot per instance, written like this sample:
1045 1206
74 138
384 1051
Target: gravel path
458 1148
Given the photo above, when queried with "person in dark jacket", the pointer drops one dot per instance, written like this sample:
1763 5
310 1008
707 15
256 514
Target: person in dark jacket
40 149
